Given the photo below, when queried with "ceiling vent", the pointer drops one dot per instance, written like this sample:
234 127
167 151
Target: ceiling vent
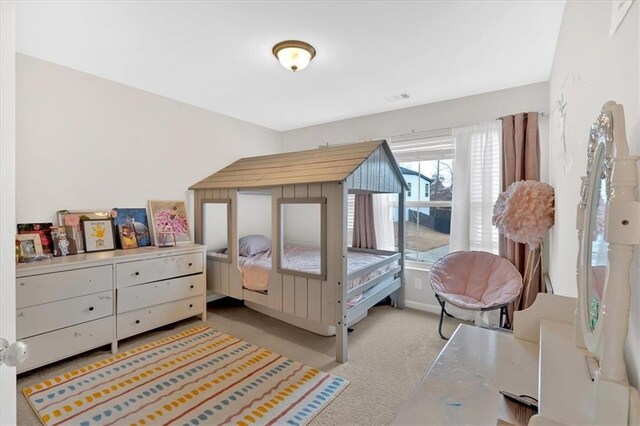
396 98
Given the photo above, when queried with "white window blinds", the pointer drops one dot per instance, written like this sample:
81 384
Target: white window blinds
423 146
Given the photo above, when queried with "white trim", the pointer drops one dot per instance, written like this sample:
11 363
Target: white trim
418 306
8 204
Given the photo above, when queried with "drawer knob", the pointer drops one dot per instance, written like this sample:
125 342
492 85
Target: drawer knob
191 305
137 321
191 286
136 273
91 308
190 264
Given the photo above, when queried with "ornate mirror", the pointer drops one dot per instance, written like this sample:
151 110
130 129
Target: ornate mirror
609 227
594 197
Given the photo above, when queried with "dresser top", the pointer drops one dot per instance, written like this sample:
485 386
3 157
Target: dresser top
103 258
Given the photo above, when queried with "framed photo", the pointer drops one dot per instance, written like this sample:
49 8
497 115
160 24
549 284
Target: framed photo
169 218
30 244
63 245
44 232
137 220
98 235
127 236
72 221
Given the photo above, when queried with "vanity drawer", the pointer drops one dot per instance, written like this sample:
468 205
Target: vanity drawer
52 316
38 289
139 296
161 268
135 322
59 344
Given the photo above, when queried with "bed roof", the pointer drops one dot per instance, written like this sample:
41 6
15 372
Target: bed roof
321 165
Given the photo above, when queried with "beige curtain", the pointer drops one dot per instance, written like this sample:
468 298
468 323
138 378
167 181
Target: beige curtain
364 234
521 161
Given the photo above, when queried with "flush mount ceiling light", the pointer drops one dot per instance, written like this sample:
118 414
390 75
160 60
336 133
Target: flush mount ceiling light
294 55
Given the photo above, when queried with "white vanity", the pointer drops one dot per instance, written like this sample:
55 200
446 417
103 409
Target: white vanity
557 339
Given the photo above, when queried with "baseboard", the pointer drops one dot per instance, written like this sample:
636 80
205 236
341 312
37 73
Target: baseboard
434 309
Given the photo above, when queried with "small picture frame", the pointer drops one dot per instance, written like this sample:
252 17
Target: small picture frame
127 236
30 244
63 244
98 235
169 222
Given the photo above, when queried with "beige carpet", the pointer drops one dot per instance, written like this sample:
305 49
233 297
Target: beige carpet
389 352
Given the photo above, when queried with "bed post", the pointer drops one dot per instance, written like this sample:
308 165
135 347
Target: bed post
401 232
340 255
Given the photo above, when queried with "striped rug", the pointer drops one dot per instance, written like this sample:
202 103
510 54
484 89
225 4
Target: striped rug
197 377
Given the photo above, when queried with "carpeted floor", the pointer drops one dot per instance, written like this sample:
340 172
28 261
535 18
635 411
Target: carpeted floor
389 351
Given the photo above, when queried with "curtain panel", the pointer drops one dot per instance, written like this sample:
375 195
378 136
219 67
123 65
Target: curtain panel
521 161
476 186
364 233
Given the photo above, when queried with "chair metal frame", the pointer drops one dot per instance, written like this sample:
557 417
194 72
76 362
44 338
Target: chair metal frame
503 314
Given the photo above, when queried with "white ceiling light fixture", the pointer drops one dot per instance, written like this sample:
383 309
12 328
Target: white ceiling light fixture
294 55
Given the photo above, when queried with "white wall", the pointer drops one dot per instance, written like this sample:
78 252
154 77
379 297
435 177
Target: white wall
254 214
589 69
84 142
452 113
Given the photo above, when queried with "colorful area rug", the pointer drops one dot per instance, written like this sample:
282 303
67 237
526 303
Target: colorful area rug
197 377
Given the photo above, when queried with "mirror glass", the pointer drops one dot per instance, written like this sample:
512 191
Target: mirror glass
597 248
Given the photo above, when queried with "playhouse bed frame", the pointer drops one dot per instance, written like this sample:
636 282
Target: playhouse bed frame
323 176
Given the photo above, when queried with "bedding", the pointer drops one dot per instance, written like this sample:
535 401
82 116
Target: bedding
256 269
252 245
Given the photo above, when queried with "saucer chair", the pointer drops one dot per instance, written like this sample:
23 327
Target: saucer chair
476 281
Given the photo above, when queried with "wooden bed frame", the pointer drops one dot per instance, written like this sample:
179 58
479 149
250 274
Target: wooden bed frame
326 176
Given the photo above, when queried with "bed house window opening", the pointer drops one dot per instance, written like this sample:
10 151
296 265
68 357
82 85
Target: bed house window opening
426 161
216 230
302 223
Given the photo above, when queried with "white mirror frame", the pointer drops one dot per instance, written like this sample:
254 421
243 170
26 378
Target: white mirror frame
622 232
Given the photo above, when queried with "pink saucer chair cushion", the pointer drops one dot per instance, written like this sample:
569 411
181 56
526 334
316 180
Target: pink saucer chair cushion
475 280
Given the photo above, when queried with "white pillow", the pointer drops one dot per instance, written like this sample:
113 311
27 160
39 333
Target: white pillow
252 245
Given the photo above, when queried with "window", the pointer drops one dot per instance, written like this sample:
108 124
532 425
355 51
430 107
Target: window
426 161
302 226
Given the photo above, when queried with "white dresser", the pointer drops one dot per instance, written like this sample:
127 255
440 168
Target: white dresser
69 305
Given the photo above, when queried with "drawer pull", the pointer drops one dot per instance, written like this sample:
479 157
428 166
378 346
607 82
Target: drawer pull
190 264
191 286
137 321
136 273
191 305
91 308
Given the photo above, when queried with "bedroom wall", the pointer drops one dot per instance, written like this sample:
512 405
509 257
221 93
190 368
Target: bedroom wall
84 142
452 113
590 68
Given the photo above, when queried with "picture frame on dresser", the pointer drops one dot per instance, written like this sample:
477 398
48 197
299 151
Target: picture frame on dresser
98 235
72 221
29 244
169 218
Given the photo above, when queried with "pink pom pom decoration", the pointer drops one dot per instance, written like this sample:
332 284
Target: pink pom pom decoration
525 212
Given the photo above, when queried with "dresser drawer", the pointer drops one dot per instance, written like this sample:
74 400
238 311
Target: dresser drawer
37 289
135 322
59 344
161 268
52 316
140 296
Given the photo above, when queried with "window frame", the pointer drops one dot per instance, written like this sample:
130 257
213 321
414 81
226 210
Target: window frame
226 201
322 201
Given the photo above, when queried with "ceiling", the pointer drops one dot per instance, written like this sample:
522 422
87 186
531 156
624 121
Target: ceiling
217 55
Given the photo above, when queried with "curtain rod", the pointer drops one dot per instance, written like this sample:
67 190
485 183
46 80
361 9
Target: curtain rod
540 114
